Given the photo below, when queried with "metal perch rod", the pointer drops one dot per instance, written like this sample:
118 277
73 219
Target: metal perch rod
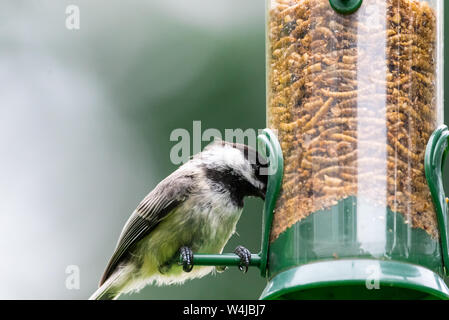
225 259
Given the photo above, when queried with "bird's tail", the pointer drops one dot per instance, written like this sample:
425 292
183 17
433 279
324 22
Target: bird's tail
112 287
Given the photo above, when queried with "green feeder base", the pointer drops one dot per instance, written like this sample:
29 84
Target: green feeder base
363 279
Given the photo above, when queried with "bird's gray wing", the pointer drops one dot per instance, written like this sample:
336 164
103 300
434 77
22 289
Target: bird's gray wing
167 195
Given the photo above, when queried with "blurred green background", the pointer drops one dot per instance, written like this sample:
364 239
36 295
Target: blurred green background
85 121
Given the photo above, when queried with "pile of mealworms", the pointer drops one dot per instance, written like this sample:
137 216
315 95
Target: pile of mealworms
353 99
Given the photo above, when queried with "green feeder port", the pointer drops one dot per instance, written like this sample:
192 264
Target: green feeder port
355 206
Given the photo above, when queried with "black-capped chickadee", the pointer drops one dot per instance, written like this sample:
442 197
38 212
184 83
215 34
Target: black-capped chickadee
195 209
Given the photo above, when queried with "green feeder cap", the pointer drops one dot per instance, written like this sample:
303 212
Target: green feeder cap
345 6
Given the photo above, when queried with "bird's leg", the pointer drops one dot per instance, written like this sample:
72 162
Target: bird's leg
187 258
245 258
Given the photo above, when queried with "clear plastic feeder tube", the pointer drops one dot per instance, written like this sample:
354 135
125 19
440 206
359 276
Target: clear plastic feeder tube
354 99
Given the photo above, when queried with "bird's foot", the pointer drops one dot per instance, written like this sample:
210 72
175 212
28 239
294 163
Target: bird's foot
187 258
220 269
245 258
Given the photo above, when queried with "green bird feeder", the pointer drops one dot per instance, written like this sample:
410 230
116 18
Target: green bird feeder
355 206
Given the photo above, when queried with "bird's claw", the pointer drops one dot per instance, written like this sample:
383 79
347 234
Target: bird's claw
245 258
187 259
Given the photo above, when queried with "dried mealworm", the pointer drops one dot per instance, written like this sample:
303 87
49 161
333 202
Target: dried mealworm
339 95
404 150
324 109
343 137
